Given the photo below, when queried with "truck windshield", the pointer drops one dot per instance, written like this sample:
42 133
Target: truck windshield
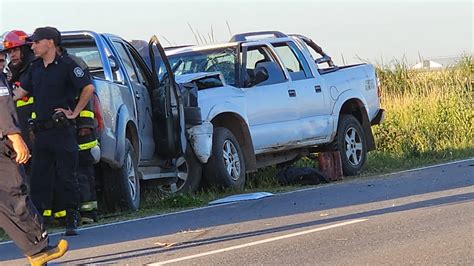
213 60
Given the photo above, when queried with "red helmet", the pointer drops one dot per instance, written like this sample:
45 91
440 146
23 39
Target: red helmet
14 38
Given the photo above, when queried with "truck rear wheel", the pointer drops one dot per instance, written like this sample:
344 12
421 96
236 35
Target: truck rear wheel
122 186
226 166
351 144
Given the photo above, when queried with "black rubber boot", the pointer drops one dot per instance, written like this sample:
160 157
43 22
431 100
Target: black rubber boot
72 218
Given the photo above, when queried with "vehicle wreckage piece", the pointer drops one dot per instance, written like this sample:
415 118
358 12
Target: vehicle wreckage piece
301 176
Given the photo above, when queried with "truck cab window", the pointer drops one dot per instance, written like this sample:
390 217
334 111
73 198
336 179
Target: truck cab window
139 66
293 60
89 54
259 63
127 62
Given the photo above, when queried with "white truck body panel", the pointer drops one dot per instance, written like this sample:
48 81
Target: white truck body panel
278 122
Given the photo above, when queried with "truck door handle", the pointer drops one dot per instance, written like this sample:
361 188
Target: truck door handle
317 89
292 93
137 94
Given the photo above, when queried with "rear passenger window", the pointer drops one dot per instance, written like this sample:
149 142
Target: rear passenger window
293 60
90 55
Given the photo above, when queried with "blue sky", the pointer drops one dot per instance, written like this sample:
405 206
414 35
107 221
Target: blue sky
378 31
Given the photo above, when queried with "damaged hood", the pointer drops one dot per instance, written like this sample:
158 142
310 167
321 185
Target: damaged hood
216 78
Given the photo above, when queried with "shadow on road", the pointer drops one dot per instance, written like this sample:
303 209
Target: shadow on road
110 258
336 195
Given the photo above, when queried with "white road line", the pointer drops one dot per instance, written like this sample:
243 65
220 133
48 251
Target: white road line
219 205
258 242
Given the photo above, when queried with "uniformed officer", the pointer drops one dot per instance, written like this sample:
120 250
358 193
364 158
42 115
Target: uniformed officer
18 216
55 80
21 56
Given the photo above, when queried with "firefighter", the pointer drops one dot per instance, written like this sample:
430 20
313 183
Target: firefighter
21 56
23 222
88 152
55 80
88 144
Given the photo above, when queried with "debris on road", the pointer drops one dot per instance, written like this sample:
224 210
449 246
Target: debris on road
241 197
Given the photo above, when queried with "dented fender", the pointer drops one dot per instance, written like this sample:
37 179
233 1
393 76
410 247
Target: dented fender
200 137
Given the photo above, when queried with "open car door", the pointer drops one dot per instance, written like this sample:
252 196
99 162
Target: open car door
168 112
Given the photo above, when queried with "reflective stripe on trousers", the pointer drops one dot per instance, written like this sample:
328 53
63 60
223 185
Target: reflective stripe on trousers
88 145
89 206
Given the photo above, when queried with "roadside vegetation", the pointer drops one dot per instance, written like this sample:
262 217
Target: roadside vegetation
429 119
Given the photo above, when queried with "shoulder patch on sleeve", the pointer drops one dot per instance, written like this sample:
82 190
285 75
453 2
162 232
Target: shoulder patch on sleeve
4 91
78 72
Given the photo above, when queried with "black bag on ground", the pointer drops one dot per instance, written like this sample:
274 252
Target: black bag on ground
300 176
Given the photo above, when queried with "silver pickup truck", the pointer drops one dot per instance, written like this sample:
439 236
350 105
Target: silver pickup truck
272 98
146 120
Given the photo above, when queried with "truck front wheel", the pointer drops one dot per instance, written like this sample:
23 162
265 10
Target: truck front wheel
351 144
226 166
189 174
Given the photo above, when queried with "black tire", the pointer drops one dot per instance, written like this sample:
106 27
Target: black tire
189 174
351 144
123 185
222 172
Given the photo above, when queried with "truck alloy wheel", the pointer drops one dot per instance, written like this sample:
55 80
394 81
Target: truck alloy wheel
125 182
231 160
226 166
132 177
351 145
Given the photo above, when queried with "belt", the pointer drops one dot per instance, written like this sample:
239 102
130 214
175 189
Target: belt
50 124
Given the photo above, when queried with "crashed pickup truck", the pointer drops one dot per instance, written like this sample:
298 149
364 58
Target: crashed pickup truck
150 126
273 98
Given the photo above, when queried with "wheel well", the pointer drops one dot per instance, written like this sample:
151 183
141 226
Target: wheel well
239 129
131 133
353 107
356 108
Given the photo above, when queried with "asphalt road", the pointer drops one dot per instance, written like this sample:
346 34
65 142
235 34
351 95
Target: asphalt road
417 217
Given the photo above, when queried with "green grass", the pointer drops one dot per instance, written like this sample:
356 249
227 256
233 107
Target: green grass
429 119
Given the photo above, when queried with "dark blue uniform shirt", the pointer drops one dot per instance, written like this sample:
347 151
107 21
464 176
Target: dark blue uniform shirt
54 86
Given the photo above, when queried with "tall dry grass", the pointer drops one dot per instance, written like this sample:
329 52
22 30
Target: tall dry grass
430 116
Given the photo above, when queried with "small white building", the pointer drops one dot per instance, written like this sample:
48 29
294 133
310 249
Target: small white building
437 63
